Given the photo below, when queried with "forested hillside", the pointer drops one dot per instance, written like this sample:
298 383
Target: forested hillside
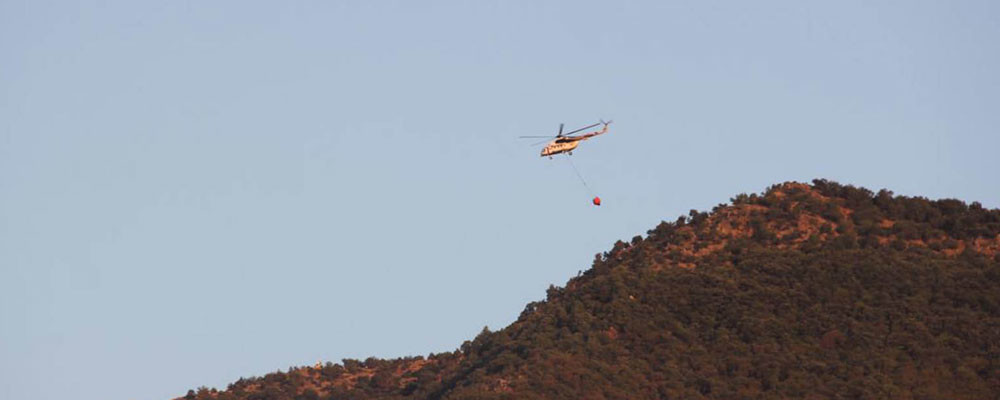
803 291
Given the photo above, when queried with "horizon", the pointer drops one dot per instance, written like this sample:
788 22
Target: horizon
193 193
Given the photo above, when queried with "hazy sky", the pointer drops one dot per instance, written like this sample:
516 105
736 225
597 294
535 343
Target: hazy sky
191 191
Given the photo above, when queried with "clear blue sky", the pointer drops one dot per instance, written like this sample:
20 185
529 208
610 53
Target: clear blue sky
191 192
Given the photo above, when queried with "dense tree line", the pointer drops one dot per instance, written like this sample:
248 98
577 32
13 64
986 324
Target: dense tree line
856 308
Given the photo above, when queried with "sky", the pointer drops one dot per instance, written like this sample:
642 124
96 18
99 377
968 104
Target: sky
193 192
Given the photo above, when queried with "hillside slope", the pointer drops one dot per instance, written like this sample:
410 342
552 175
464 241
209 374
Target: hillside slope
803 291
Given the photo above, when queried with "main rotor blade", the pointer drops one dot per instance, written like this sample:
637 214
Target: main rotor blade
586 127
560 129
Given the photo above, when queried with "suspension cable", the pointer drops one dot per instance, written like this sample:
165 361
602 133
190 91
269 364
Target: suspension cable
579 176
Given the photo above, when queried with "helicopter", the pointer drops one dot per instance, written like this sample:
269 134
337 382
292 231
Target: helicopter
564 143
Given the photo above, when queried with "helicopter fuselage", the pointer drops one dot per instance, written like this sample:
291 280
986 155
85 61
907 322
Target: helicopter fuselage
559 146
566 144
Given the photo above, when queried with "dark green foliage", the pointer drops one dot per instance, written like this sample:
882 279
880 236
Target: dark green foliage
949 216
856 311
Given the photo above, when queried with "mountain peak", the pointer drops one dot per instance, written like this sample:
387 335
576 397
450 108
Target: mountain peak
795 215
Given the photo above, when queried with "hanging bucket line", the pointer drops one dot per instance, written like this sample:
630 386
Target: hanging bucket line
580 176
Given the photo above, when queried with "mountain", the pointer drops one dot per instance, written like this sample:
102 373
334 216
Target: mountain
803 291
